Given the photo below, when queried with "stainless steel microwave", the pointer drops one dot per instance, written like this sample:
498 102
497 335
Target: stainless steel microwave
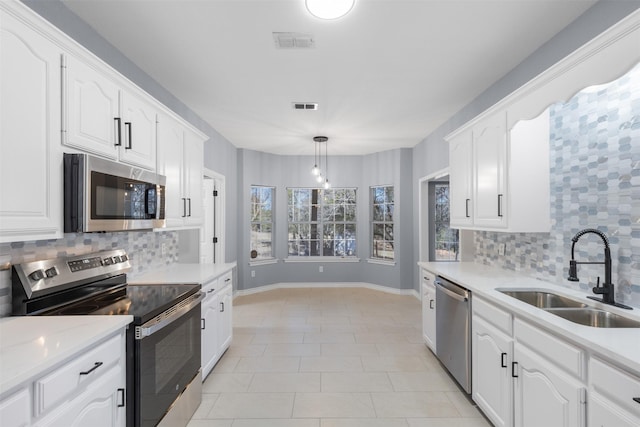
101 195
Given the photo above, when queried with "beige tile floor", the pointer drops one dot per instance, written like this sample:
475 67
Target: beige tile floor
330 357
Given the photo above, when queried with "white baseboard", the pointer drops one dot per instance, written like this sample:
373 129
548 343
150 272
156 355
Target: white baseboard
395 291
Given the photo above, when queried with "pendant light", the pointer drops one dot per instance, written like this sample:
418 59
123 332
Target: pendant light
329 9
327 185
317 166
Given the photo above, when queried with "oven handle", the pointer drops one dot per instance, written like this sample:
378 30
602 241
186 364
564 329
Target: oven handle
169 316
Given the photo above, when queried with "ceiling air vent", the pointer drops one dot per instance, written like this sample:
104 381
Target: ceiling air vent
304 105
293 40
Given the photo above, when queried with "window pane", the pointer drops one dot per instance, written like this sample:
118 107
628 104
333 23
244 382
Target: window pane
261 216
378 212
378 195
328 217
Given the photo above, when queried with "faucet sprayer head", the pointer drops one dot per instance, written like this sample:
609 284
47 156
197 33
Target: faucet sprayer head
573 271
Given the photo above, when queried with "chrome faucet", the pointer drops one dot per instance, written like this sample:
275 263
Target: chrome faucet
607 289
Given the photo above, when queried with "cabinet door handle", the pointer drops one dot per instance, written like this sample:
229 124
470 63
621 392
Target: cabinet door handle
222 307
184 207
499 205
431 304
130 141
203 325
636 399
189 199
503 360
121 396
118 131
210 290
95 366
466 207
513 369
227 280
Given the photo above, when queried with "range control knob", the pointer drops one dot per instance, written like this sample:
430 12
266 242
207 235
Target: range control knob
37 275
51 272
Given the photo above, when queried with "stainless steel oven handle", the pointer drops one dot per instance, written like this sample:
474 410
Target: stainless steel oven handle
168 317
452 294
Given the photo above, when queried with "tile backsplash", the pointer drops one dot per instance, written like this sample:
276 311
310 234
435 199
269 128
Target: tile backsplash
143 247
595 183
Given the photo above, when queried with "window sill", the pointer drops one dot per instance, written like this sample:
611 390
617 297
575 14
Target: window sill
381 262
264 262
324 259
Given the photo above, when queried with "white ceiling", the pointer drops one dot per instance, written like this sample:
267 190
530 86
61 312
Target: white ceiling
385 76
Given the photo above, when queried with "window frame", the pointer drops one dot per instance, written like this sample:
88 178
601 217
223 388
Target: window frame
384 222
317 228
271 223
432 224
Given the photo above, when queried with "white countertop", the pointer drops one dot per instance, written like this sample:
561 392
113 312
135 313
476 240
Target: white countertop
183 273
30 345
620 345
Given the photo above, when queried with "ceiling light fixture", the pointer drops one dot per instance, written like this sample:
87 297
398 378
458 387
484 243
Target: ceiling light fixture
329 9
317 160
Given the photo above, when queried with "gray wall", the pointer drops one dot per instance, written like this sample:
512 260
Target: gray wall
387 168
431 154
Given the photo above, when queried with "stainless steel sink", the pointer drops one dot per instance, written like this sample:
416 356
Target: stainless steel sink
594 317
542 299
573 310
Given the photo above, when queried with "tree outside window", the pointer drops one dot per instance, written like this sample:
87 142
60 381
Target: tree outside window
382 204
446 240
322 222
261 211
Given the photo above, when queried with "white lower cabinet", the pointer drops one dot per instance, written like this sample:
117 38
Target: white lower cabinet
15 410
544 395
217 317
612 396
491 370
429 309
88 389
522 375
209 327
100 405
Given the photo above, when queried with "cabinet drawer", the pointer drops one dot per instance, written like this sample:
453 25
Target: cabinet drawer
15 410
64 381
562 354
492 314
428 277
210 287
615 384
226 279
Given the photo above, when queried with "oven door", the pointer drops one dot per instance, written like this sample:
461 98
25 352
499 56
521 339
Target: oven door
167 351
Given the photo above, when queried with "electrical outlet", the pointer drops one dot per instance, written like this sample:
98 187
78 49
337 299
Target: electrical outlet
321 269
253 273
502 249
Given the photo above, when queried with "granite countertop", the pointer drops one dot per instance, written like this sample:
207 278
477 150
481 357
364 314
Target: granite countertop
30 345
182 273
620 345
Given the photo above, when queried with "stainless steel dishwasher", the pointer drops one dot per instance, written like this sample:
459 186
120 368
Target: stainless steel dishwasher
453 330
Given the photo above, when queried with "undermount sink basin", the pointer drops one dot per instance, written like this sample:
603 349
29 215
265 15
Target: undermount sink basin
570 309
543 299
595 317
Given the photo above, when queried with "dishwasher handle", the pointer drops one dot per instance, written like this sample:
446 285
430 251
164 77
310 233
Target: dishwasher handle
450 293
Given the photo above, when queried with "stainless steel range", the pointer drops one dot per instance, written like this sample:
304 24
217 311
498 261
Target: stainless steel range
163 343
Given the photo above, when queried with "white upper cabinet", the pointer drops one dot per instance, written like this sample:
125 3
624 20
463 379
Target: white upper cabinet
102 118
139 131
489 172
30 155
499 177
180 159
92 121
461 180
